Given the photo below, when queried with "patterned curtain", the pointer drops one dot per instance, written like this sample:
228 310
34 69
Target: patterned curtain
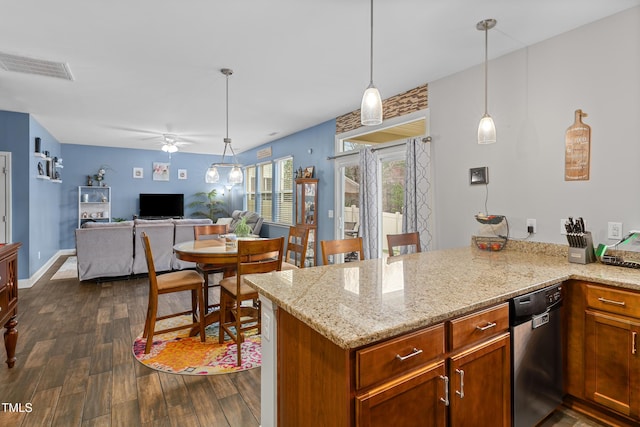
369 215
417 191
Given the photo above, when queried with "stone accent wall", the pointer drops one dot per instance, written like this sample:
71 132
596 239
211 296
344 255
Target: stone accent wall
408 102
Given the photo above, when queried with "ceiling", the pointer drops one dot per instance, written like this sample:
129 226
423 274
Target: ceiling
147 67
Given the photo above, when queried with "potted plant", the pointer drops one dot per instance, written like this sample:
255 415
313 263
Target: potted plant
208 206
243 229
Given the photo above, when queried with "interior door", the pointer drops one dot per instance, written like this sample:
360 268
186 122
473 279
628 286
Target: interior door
5 196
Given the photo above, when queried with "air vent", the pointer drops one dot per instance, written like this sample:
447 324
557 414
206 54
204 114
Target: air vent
41 67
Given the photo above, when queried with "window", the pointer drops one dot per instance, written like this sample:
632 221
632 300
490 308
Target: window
284 191
269 190
250 188
265 191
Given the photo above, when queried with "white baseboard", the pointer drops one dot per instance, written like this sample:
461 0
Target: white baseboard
27 283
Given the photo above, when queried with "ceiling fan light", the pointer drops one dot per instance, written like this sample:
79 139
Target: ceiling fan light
371 107
486 130
165 148
235 175
212 176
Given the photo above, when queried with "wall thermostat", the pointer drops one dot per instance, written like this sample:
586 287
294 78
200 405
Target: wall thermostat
479 175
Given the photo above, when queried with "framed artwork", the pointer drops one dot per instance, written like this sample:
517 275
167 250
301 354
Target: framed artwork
182 174
160 171
308 172
138 173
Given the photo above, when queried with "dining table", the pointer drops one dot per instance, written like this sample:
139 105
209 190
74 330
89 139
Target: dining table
222 251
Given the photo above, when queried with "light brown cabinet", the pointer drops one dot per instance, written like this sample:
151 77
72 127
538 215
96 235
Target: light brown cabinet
403 380
612 362
480 368
481 384
9 298
415 379
602 364
306 214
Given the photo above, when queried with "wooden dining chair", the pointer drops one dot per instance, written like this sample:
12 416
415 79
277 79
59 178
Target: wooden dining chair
209 231
341 246
177 281
408 240
296 252
254 256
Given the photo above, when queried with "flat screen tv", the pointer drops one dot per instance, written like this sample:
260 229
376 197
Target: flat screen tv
162 205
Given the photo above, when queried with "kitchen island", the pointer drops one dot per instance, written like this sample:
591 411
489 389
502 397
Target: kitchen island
354 305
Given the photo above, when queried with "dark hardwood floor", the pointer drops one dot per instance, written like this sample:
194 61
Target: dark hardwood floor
75 366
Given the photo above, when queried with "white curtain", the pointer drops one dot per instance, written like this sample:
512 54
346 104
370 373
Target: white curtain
417 191
369 211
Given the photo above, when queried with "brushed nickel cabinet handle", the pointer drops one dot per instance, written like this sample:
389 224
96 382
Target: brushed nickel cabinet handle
445 399
489 325
461 391
612 302
413 353
634 342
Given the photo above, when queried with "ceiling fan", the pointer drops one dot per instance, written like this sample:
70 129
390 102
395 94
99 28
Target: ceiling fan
171 142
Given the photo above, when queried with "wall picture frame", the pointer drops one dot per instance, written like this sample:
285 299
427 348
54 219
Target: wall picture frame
161 171
138 173
182 174
308 172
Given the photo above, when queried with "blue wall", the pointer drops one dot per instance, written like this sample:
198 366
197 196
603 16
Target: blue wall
320 139
83 160
45 214
44 201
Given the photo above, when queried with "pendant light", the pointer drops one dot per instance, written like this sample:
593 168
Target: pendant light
486 128
235 175
371 107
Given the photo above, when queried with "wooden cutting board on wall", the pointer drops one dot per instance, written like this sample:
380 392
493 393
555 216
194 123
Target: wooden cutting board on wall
577 157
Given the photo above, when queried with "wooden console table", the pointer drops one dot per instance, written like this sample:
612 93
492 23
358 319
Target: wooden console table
9 298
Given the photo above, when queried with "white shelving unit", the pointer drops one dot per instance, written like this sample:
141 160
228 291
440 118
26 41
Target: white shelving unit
94 204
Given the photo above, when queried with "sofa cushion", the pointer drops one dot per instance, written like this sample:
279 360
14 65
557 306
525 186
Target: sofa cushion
153 221
94 224
254 220
104 251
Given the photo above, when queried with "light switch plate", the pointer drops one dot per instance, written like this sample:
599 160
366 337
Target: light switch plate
479 175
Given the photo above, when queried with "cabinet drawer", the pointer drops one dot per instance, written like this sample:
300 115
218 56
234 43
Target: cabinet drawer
478 326
399 355
613 300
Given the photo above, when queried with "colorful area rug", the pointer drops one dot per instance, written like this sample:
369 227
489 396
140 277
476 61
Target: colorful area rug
68 270
177 353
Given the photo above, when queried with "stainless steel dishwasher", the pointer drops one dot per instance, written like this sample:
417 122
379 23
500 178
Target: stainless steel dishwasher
536 355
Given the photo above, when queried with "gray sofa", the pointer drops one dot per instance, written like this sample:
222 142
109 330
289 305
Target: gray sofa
254 220
115 249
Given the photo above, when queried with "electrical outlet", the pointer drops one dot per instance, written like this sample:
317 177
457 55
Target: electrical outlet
614 230
563 228
531 223
479 175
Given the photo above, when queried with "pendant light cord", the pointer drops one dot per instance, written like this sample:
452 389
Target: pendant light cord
486 67
371 62
227 110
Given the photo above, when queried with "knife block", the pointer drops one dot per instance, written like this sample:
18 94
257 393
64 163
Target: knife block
583 255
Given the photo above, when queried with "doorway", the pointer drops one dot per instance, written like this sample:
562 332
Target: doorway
5 196
388 141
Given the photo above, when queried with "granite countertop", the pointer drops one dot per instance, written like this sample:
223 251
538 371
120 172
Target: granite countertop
355 304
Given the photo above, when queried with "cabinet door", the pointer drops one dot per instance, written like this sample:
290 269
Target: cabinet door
480 384
612 365
412 400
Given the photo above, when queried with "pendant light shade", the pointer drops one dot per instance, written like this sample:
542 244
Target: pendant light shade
235 175
371 106
486 128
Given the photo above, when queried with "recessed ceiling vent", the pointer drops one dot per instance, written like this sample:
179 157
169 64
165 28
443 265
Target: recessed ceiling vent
41 67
